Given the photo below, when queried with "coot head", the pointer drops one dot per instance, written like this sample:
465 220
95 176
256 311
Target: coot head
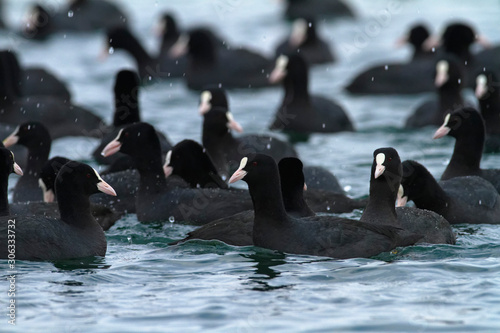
48 176
458 37
253 167
448 74
136 140
38 24
303 32
463 122
189 160
213 98
83 179
413 183
386 168
168 27
486 85
220 121
198 44
289 68
417 36
8 163
31 134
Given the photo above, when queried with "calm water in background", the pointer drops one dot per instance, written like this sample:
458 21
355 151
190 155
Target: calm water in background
145 285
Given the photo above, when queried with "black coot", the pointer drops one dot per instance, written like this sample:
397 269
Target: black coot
226 150
304 40
36 81
162 199
60 117
79 16
150 68
318 235
301 112
448 80
75 234
467 127
488 95
385 180
469 199
389 78
127 111
189 160
36 138
125 184
207 65
330 9
238 229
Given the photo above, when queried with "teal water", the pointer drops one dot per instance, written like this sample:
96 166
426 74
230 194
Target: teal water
145 285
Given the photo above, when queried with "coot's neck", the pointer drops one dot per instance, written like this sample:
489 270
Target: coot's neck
295 204
267 202
37 157
137 51
126 109
450 99
151 172
296 89
466 156
215 140
381 208
4 201
490 110
74 206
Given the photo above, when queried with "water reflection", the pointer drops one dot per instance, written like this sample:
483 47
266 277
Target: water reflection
263 271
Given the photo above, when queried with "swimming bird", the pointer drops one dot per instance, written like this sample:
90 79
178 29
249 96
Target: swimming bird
78 16
301 112
225 149
304 39
318 235
467 127
487 92
127 111
207 65
75 234
448 80
36 138
469 199
162 199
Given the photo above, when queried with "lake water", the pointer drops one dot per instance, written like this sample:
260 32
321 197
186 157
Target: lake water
145 285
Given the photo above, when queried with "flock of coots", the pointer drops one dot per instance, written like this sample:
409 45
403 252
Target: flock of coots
62 208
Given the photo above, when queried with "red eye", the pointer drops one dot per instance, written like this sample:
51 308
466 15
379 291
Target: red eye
254 163
126 133
390 159
88 175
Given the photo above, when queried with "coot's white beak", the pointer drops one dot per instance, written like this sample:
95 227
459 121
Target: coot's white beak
180 47
11 139
106 188
167 169
113 147
430 43
444 129
240 173
205 105
402 199
279 71
305 187
48 195
233 124
442 76
481 86
483 41
379 168
17 169
103 186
